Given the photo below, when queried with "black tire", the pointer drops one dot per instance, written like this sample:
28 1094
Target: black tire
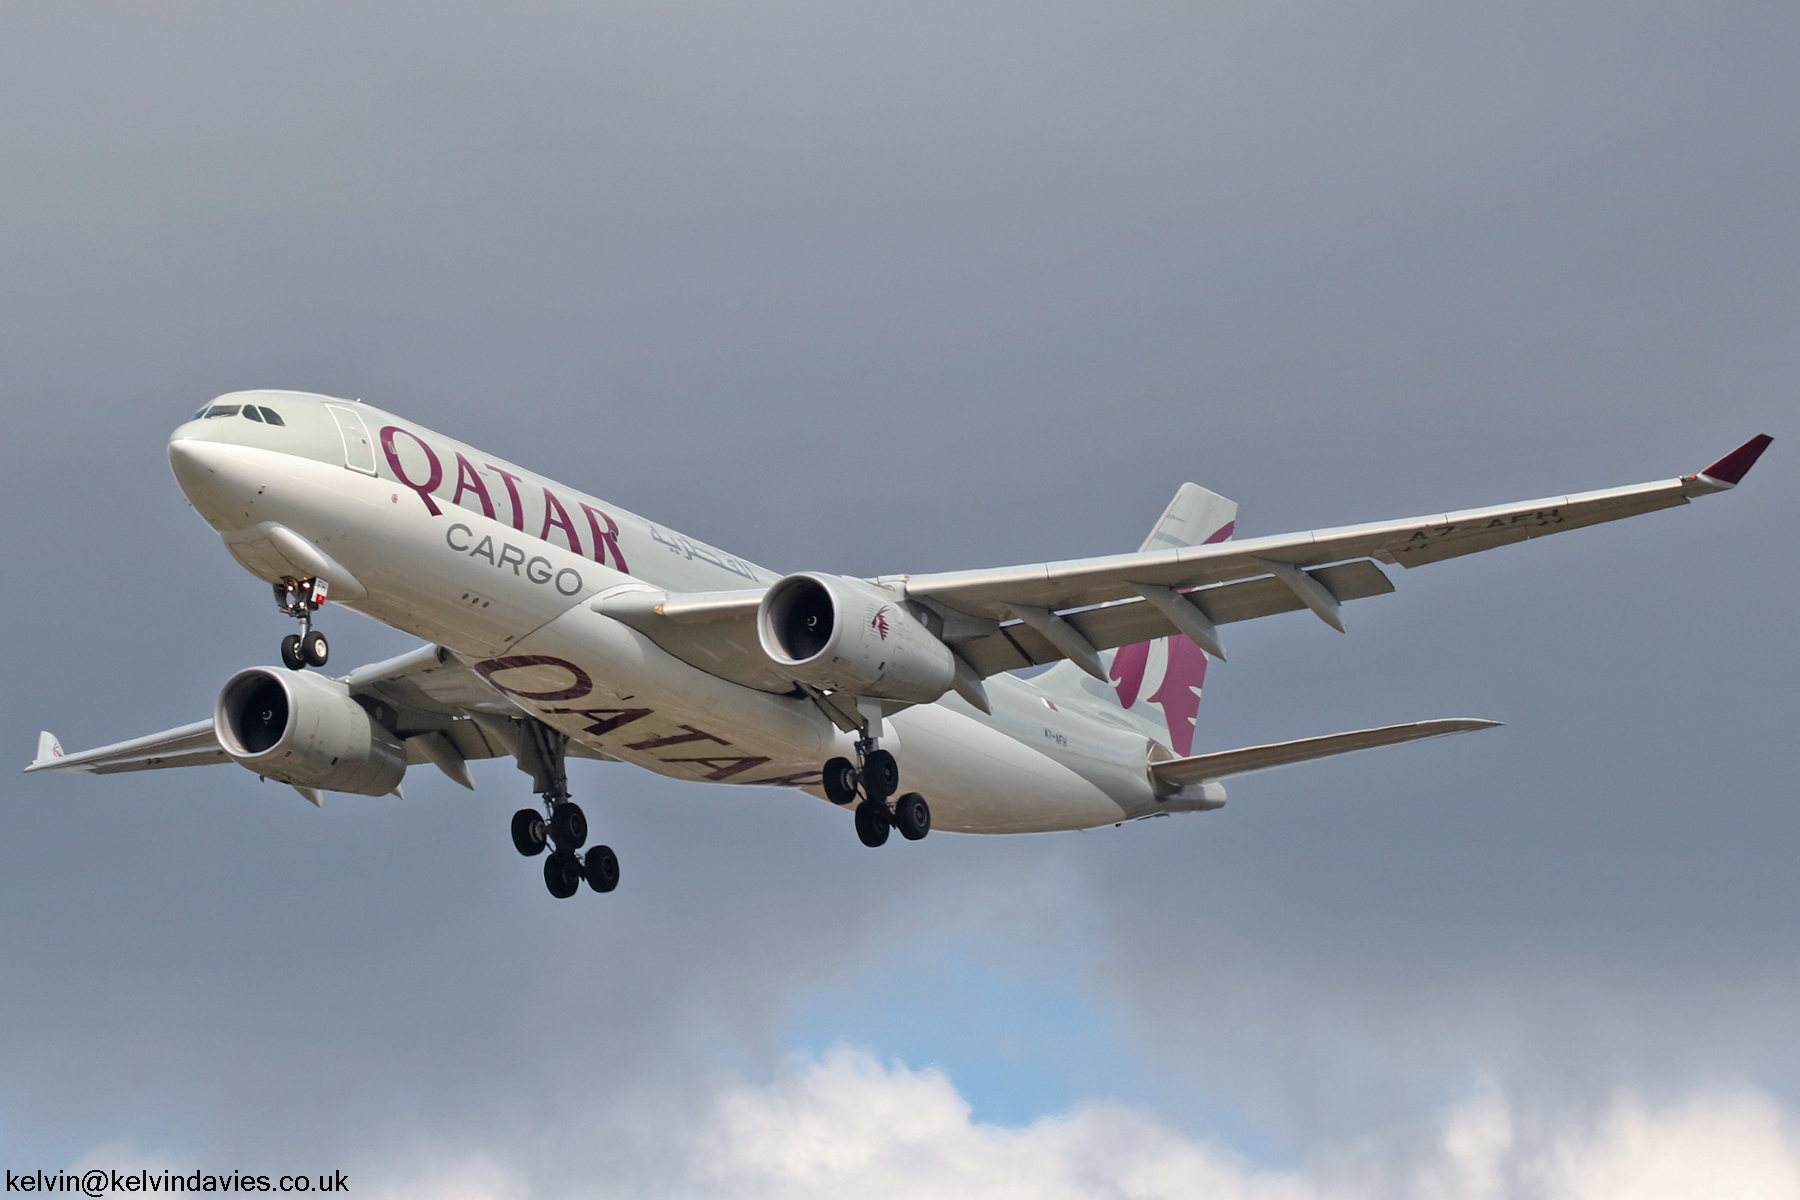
528 832
601 869
568 826
912 816
292 657
562 874
880 775
872 822
315 648
840 781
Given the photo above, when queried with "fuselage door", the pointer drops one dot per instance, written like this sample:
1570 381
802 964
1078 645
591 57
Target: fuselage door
359 448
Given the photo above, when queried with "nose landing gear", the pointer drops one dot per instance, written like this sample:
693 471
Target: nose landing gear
565 830
301 598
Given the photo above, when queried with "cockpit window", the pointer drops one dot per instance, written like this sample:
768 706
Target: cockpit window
222 410
270 415
250 411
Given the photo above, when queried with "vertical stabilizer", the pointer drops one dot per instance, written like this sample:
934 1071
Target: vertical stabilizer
1157 683
1195 517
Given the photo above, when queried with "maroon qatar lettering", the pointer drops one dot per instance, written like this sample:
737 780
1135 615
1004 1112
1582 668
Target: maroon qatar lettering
605 720
722 767
602 527
512 493
605 541
679 739
560 520
580 682
468 479
422 490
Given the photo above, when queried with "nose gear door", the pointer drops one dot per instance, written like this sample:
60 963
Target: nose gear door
359 448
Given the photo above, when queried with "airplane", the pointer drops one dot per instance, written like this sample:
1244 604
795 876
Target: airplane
558 626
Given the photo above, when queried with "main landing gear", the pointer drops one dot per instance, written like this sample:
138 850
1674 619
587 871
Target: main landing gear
302 598
868 787
562 827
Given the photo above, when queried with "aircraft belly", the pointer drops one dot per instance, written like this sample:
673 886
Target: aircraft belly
613 689
979 780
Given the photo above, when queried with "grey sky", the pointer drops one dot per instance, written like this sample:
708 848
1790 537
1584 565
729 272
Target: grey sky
878 288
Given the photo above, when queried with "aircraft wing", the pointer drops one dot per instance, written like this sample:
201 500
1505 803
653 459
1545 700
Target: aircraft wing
1201 768
189 746
444 712
1413 542
1005 618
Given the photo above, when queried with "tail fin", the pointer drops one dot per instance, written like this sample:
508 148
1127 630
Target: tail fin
1195 517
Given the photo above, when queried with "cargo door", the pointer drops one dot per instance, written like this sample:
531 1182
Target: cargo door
359 448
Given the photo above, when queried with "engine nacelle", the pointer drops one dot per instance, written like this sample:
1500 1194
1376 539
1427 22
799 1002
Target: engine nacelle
848 635
304 729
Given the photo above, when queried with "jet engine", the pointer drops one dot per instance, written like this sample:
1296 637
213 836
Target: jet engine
305 729
849 635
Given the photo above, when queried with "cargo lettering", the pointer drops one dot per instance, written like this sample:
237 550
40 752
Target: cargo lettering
537 569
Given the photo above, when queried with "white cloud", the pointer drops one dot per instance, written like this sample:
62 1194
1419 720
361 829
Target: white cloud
846 1125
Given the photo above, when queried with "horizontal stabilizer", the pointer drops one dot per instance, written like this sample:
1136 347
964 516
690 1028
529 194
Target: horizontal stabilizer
1176 772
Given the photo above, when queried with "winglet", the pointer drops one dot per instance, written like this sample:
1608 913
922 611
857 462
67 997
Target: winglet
49 749
1734 466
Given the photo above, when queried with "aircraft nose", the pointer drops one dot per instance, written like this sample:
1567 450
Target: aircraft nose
214 478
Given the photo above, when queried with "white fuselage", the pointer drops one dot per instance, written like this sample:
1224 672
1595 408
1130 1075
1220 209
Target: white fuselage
501 567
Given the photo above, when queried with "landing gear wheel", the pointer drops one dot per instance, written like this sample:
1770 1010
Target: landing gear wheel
292 657
880 774
314 647
568 826
562 874
528 832
872 822
601 869
912 816
840 781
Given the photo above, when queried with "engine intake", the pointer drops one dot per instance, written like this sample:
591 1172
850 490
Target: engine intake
306 730
849 635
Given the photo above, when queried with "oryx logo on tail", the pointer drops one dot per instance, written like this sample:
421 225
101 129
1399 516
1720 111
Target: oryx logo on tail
1178 694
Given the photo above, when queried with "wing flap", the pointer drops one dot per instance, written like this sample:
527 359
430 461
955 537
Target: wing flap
1174 773
1017 645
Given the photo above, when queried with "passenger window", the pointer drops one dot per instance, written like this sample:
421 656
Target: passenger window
250 411
271 416
222 410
